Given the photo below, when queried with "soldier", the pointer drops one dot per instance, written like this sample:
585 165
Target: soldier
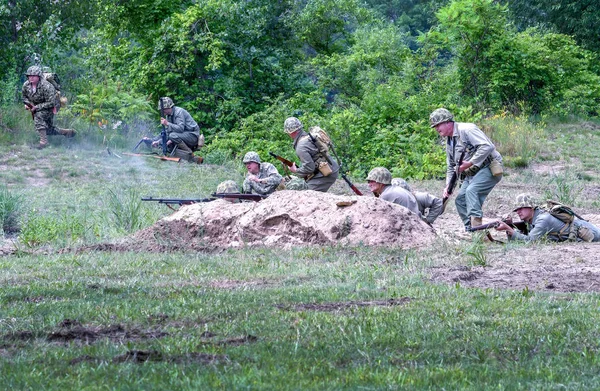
310 157
39 98
430 206
541 223
380 183
230 187
183 132
480 170
262 178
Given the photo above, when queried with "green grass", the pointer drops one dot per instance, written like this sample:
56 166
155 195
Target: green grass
248 319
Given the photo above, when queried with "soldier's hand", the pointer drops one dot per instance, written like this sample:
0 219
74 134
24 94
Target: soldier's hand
169 142
464 166
155 144
502 226
293 167
164 121
446 194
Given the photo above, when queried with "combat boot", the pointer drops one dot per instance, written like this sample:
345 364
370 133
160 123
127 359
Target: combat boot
183 151
43 140
197 159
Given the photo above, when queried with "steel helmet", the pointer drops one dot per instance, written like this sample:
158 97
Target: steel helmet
251 157
380 175
439 116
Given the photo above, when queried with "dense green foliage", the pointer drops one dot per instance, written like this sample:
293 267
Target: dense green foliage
369 72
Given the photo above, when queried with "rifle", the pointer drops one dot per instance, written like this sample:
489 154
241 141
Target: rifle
30 106
520 225
344 177
453 180
240 196
146 140
177 201
163 133
283 160
171 159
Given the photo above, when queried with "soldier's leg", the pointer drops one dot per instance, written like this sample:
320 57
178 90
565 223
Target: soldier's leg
461 203
322 183
183 142
481 185
40 120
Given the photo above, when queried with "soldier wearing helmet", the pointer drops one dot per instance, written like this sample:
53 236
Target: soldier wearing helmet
39 97
263 178
541 224
430 206
310 158
183 133
480 170
230 187
379 180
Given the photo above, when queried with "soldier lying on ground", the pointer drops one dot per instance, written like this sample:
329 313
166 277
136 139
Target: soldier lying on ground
380 183
310 158
262 178
39 97
429 205
183 133
543 224
230 187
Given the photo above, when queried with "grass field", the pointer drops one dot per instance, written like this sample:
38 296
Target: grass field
304 318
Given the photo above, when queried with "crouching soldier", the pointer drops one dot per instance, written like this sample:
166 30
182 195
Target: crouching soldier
262 178
183 133
39 97
545 224
430 206
380 183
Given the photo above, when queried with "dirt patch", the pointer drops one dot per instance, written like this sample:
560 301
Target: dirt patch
142 356
565 267
285 219
345 305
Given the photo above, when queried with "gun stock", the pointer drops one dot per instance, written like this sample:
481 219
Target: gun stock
283 160
354 188
240 196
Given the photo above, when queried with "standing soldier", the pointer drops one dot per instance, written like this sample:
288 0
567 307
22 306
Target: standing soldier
262 178
430 206
481 167
39 98
311 158
380 183
182 131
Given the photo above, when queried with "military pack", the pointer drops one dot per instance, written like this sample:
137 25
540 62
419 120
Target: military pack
567 215
322 141
53 79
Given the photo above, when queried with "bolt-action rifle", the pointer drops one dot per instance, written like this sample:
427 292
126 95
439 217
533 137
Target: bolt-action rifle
344 177
30 107
177 201
283 160
453 179
240 196
520 225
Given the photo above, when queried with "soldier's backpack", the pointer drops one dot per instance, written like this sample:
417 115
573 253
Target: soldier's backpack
567 215
322 141
53 79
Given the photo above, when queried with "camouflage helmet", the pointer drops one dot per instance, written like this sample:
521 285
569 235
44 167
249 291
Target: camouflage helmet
228 187
296 184
523 201
34 71
380 175
167 103
251 157
439 116
291 125
402 183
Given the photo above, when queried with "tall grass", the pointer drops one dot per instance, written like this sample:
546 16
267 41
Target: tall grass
518 140
10 208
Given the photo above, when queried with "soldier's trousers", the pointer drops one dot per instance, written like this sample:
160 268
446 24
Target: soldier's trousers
473 192
44 124
322 183
190 139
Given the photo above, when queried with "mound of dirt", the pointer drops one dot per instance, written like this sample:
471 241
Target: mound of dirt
288 218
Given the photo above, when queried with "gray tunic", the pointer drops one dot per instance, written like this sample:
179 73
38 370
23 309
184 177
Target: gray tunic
480 149
544 224
309 157
400 196
270 180
430 203
182 127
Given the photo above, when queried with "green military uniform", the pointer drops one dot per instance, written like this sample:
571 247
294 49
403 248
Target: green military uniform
42 99
268 177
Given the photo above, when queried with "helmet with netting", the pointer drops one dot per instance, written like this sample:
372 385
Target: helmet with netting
439 116
291 125
380 175
251 157
34 71
402 183
167 103
228 187
523 201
